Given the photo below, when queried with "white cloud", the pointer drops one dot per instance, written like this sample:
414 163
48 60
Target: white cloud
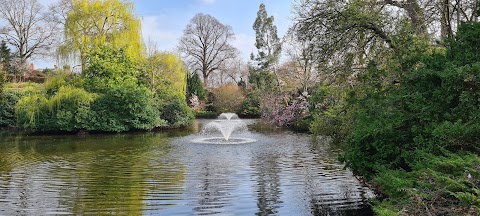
208 1
152 29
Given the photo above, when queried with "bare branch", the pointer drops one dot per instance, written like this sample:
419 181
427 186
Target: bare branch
205 45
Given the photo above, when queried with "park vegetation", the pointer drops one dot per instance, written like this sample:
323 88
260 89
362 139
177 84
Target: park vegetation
119 86
395 83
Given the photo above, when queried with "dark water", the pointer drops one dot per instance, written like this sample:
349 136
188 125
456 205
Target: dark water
155 173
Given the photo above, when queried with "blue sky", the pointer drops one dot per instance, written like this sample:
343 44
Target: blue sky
163 21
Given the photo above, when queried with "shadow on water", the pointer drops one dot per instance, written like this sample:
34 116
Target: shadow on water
165 173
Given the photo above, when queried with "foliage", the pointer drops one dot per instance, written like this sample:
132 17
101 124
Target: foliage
266 40
93 23
330 112
195 86
63 111
3 80
69 108
11 94
228 98
432 108
53 84
262 80
123 108
8 99
109 67
461 50
167 76
437 185
108 97
176 112
5 55
251 106
415 129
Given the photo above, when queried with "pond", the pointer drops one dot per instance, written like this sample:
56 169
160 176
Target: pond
165 173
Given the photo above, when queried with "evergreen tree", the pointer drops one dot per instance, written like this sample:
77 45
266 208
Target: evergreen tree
195 86
267 42
5 55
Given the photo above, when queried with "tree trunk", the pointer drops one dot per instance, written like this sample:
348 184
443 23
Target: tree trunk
205 80
417 16
475 11
445 22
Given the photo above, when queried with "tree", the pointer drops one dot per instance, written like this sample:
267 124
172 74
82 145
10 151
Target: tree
232 70
205 45
267 42
303 64
92 23
109 68
195 87
167 75
27 28
346 35
5 56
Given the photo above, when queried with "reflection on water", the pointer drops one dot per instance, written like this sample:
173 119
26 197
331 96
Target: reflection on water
164 173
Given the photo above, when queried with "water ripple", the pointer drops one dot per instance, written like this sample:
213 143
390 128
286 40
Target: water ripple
281 173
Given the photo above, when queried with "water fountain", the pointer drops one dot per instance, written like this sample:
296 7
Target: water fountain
226 124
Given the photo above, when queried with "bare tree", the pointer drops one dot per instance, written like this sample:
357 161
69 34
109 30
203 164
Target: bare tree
60 10
234 70
27 27
303 66
205 45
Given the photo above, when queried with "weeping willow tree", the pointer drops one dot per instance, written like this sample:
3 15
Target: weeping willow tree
92 23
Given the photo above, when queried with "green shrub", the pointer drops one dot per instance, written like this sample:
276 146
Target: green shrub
330 112
124 108
176 112
262 80
8 100
3 80
416 130
108 68
251 106
65 111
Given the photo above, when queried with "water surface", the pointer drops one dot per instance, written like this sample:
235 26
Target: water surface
164 173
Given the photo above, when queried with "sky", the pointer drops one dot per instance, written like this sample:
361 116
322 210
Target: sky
163 21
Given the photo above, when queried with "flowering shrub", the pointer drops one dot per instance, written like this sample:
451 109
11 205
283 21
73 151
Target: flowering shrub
284 109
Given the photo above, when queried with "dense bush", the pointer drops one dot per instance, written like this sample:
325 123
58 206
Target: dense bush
328 108
228 98
176 113
108 97
8 100
124 108
262 80
434 107
71 109
418 135
251 106
3 80
67 110
109 67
